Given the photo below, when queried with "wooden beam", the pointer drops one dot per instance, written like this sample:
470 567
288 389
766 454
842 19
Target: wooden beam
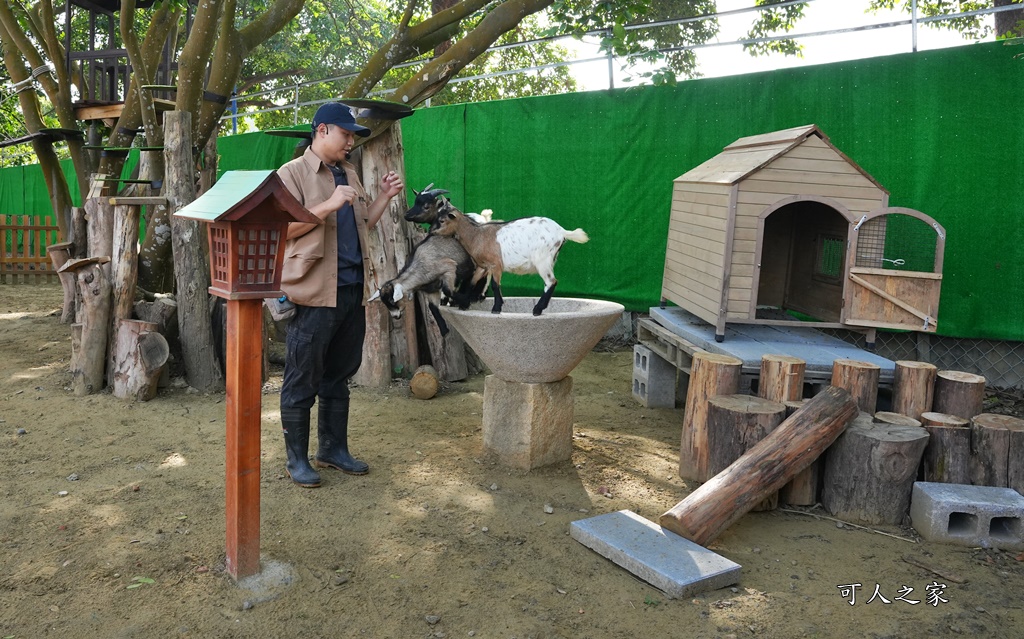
138 201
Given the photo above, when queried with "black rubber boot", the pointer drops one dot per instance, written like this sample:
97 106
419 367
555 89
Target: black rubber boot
295 426
333 434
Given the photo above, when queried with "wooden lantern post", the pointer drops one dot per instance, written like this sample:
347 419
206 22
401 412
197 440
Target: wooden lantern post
247 214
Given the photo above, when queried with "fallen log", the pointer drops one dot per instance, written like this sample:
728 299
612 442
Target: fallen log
424 382
763 469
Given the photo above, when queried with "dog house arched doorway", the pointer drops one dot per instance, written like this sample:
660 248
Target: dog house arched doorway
801 260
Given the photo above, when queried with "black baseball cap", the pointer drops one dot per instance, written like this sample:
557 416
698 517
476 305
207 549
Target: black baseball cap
338 114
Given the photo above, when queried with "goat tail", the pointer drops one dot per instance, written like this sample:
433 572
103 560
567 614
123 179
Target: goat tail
579 236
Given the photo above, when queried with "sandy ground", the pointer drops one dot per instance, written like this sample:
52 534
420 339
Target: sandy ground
112 525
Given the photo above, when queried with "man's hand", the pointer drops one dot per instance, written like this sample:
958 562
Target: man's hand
391 185
342 195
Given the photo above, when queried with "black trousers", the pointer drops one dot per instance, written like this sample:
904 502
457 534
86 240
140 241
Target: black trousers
324 349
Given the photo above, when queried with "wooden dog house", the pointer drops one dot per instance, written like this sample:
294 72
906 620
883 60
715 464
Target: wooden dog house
785 222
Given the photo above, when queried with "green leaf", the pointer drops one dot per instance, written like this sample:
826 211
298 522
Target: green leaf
131 586
183 517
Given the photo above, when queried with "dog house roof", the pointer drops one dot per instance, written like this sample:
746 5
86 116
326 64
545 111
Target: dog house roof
748 155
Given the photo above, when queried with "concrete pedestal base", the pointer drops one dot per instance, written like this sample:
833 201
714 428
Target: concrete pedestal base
528 425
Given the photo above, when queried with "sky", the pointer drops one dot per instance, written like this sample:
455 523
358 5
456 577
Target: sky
819 15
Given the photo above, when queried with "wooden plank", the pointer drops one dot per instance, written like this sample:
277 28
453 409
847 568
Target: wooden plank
855 205
757 185
695 217
684 243
138 201
700 305
693 197
928 318
702 284
693 262
701 232
713 189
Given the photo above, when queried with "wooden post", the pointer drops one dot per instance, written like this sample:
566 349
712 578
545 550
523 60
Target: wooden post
870 471
244 366
782 380
94 287
710 374
912 387
861 379
735 424
947 455
124 270
959 393
997 451
763 469
59 255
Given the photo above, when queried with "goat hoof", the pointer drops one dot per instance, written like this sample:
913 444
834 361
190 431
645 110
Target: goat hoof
537 312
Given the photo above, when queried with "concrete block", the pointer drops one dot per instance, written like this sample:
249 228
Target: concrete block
670 563
528 425
984 516
654 379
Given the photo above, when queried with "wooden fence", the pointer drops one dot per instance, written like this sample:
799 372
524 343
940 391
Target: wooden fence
23 242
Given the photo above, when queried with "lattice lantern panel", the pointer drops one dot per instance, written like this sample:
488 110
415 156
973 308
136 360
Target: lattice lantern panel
245 259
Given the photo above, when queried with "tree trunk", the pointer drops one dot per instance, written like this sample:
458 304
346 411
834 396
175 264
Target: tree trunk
710 374
959 393
997 451
388 251
763 469
375 368
735 424
1008 22
192 269
79 233
912 388
870 472
861 379
100 228
140 354
156 255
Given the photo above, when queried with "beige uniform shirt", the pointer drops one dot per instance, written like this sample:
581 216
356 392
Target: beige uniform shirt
310 273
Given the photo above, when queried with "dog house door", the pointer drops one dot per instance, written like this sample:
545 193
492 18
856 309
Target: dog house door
894 271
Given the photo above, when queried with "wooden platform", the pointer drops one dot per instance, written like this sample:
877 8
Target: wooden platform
676 334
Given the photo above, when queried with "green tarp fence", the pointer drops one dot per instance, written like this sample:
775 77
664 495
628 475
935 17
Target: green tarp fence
940 130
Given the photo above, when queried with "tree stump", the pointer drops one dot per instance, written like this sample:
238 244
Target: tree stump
782 378
124 271
140 354
59 255
424 382
861 379
885 417
959 393
912 388
735 424
763 469
947 455
997 451
91 359
710 374
870 472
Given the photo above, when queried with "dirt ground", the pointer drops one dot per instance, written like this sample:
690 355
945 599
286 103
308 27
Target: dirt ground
112 525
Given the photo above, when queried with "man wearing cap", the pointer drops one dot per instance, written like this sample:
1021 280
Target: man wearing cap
326 274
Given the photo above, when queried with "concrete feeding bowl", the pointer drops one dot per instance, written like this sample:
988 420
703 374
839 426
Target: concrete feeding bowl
519 347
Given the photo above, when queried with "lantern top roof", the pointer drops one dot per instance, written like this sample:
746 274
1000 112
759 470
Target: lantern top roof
256 196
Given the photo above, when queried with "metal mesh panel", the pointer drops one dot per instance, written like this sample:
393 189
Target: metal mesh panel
1000 362
897 241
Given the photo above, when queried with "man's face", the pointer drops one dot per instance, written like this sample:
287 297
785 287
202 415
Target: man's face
335 142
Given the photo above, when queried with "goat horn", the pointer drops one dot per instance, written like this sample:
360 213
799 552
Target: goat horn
429 186
375 296
436 192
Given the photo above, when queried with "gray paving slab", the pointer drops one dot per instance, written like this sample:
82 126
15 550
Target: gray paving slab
673 564
749 342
